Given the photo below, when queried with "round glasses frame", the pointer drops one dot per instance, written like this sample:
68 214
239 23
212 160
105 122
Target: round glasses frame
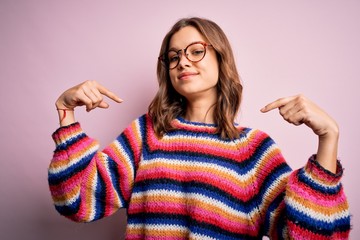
165 60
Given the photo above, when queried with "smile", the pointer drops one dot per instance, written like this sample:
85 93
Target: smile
186 75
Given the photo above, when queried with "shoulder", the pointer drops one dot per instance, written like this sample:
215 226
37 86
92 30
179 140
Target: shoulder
249 132
255 137
261 147
142 119
138 123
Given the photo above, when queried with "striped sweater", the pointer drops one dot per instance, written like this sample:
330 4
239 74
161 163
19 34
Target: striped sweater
191 184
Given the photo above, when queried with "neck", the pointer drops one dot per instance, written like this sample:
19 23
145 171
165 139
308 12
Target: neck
200 111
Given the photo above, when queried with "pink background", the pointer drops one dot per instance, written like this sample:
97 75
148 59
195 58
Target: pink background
282 48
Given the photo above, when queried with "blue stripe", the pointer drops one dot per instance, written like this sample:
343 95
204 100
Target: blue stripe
240 168
332 190
158 219
206 190
115 180
100 197
69 142
125 145
70 209
317 226
62 176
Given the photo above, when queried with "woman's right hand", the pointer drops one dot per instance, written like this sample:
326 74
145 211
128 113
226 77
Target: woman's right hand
89 93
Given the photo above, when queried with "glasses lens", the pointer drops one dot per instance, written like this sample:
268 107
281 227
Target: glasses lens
173 59
195 52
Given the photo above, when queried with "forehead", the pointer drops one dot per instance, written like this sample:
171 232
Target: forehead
184 37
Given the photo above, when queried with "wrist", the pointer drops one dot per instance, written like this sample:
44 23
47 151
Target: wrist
330 135
331 131
327 150
66 114
60 106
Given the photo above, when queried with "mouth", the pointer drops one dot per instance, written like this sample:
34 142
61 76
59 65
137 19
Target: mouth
186 75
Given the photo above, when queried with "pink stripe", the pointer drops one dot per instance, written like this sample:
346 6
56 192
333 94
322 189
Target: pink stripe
329 200
194 211
66 186
142 236
325 178
168 207
222 221
133 140
181 146
81 147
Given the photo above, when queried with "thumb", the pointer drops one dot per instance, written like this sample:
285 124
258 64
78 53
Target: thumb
103 104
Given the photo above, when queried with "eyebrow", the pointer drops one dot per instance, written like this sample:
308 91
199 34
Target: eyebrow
174 49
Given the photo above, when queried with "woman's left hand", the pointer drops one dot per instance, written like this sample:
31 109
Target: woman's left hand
298 110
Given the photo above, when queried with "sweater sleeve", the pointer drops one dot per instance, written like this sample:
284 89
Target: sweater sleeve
315 204
308 203
87 184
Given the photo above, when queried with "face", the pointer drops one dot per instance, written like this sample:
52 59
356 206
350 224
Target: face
194 80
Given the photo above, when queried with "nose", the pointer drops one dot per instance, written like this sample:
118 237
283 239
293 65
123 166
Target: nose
183 61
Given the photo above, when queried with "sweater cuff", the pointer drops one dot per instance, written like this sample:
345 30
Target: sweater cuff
67 133
322 175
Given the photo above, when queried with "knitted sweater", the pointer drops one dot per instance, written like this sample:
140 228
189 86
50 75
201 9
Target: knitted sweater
191 184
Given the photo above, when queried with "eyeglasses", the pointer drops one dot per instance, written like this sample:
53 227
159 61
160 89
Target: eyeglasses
194 52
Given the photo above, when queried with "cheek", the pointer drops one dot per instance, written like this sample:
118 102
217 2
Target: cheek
212 72
173 80
211 67
172 77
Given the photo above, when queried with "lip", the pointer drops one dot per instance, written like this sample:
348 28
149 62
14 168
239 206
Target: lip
186 75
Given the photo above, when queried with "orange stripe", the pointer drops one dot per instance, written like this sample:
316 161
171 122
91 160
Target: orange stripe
124 164
190 168
87 193
141 232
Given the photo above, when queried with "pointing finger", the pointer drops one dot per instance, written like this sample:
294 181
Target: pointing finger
276 104
109 94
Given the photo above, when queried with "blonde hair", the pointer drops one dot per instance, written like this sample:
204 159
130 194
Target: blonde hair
168 104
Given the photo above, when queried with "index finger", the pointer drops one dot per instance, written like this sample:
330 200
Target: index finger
103 90
276 104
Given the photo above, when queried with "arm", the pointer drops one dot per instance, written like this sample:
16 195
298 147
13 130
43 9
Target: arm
82 179
314 203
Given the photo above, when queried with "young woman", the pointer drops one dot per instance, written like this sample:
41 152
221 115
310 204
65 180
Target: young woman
185 170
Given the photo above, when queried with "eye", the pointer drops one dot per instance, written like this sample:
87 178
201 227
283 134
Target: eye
173 56
197 52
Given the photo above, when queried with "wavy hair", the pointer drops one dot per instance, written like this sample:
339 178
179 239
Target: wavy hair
169 104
